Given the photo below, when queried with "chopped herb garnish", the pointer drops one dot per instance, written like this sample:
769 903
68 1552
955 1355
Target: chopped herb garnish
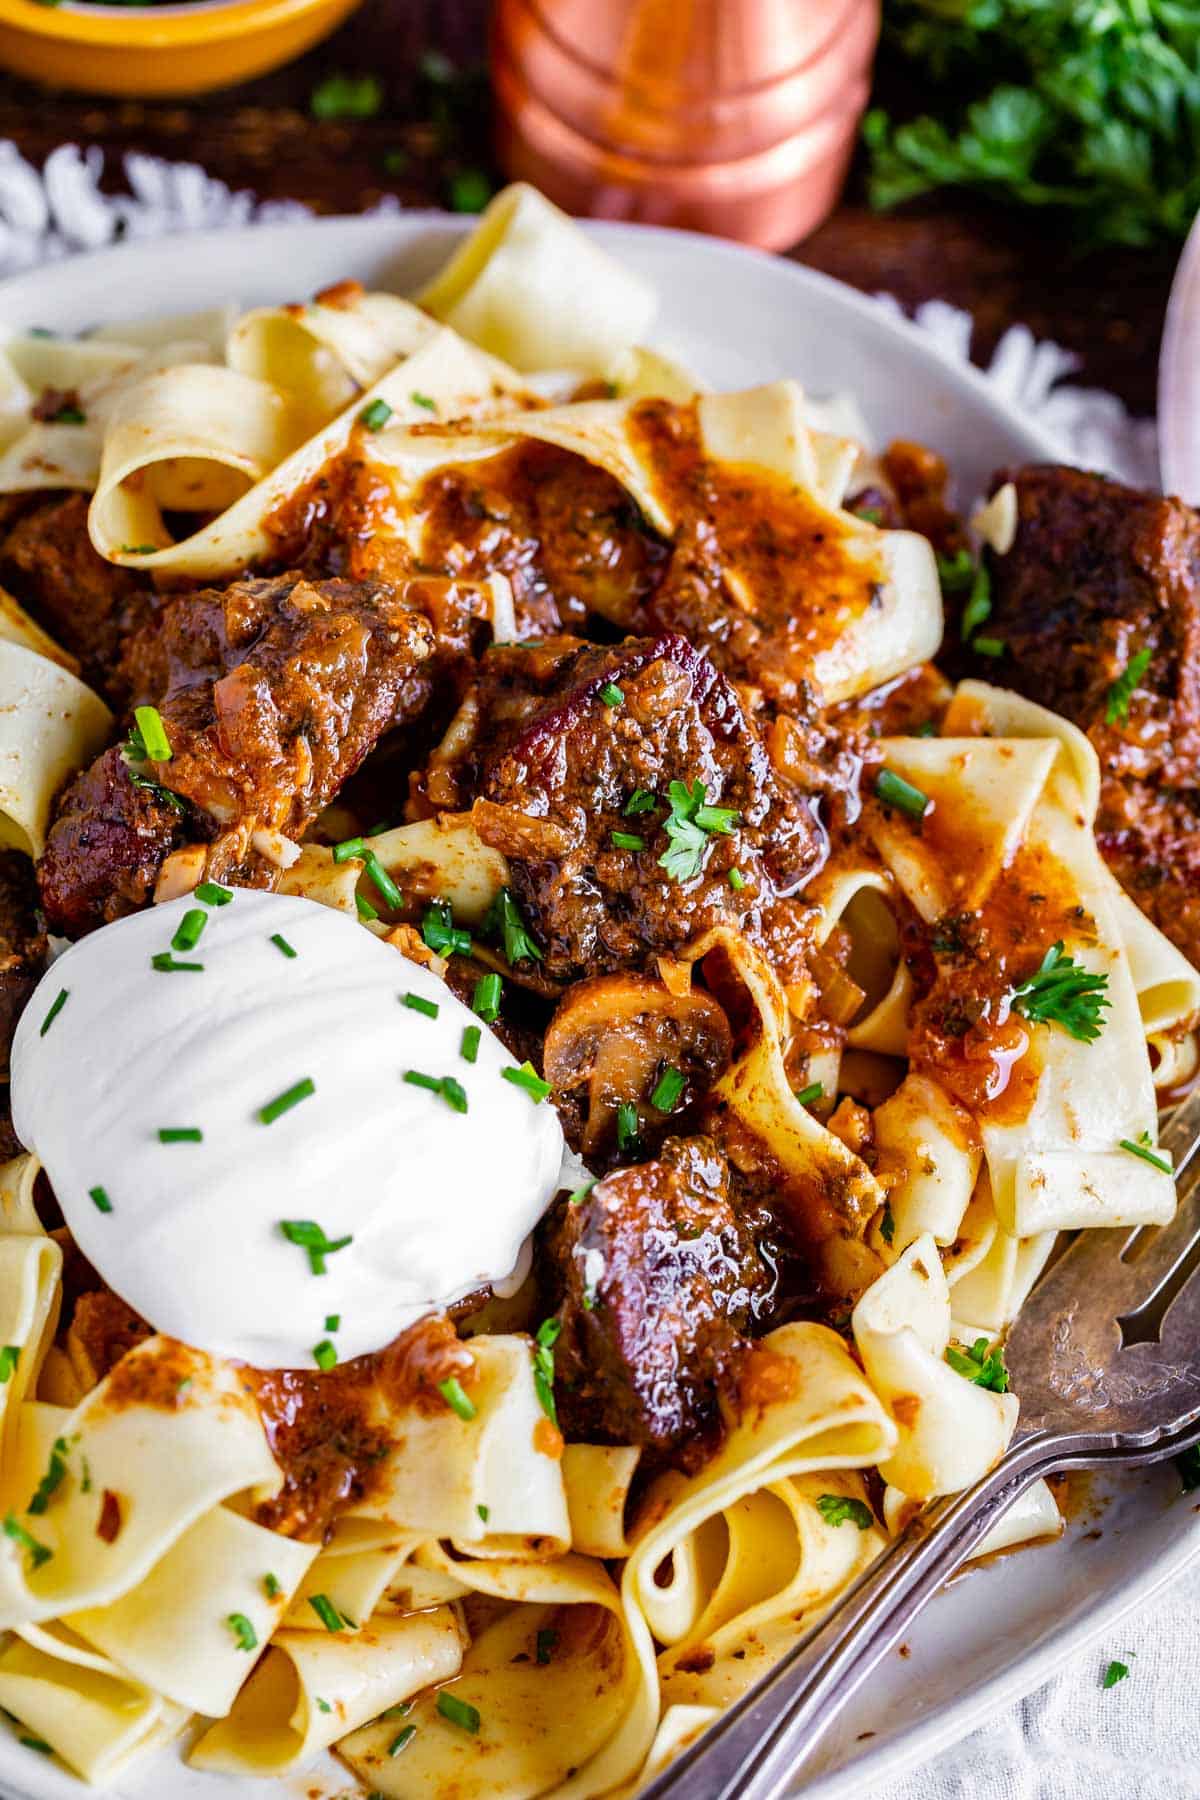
527 1077
153 733
322 1705
52 1480
10 1356
456 1397
887 1226
1143 1148
1116 705
979 603
326 1611
213 894
243 1631
546 1641
485 1001
139 549
1062 992
504 920
333 1321
401 1710
445 1086
640 801
166 964
282 945
870 515
989 646
926 729
39 1553
342 96
628 840
190 929
892 790
1116 1671
669 1088
442 935
364 909
628 1126
418 1003
985 1368
324 1355
85 1478
383 880
469 191
376 415
180 1134
543 1366
458 1711
272 1587
581 1193
484 1512
402 1740
611 694
468 1047
350 850
814 1090
737 880
689 825
55 1009
100 1200
841 1509
275 1109
424 400
956 572
311 1237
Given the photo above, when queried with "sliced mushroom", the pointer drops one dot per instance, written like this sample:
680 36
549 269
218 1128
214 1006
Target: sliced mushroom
613 1039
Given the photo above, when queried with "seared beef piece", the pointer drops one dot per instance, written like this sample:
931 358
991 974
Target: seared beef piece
88 605
656 1279
1150 839
1098 573
554 768
272 692
23 946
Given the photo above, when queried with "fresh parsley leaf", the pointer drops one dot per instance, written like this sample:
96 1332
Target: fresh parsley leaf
1116 1671
979 1364
841 1509
689 825
1062 992
1116 703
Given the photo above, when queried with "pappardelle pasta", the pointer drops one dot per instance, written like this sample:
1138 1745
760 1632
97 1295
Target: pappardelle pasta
597 946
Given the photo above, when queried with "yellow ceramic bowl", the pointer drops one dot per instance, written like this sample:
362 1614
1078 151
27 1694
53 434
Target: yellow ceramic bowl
152 50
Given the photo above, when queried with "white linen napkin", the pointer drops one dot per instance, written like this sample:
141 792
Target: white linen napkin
1072 1739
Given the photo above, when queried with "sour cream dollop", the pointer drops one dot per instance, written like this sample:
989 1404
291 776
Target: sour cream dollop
435 1201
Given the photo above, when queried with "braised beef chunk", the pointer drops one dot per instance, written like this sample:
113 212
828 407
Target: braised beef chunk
1097 576
23 945
271 693
572 770
88 605
657 1277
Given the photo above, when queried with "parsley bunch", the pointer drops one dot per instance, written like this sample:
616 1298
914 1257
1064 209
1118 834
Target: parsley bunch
1092 106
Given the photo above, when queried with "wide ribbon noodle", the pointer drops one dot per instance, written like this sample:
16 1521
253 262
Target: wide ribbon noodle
499 1615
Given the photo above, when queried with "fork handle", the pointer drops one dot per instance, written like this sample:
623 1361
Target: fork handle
753 1751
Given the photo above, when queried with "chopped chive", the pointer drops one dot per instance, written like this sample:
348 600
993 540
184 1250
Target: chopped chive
375 415
468 1049
1147 1154
548 1333
310 1236
989 646
489 990
36 1743
926 729
243 1631
440 934
581 1193
528 1078
324 1354
350 849
166 964
281 944
1120 694
418 1003
213 894
154 735
628 840
364 908
627 1126
402 1740
423 400
272 1587
10 1356
485 1513
326 1611
640 801
401 1710
383 880
322 1705
456 1397
190 929
737 880
504 918
180 1134
893 790
978 608
611 694
445 1086
666 1095
458 1712
14 1529
814 1090
333 1321
275 1109
55 1009
52 1480
100 1199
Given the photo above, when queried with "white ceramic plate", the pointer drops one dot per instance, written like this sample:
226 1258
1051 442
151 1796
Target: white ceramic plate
737 317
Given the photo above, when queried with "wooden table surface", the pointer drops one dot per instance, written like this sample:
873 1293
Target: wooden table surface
1002 266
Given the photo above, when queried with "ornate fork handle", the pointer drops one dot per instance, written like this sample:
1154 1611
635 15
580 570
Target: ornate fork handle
753 1750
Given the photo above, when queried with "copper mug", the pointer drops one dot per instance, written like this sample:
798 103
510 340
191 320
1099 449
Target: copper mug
730 116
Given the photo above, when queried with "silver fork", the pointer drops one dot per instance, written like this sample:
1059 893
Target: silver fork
1106 1359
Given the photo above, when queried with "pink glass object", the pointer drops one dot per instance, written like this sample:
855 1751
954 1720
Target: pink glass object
736 117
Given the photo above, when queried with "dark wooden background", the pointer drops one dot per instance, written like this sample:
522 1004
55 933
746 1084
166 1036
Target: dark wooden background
1002 266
